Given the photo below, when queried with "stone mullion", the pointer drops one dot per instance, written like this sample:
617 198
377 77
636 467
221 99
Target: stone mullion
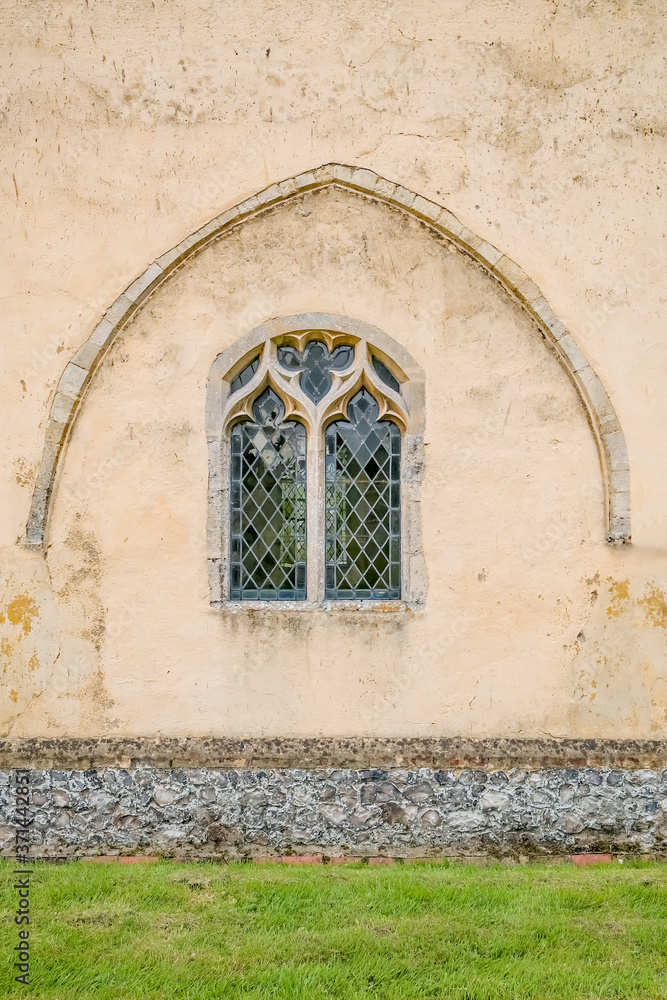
315 515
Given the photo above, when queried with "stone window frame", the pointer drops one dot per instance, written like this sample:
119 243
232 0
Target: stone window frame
224 408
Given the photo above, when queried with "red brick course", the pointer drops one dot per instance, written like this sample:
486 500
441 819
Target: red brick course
292 859
107 859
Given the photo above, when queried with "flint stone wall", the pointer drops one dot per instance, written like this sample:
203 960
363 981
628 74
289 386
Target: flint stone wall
411 812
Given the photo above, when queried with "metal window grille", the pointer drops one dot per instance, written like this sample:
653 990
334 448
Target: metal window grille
362 505
268 506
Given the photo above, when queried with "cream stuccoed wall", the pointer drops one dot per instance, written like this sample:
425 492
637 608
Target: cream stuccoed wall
542 127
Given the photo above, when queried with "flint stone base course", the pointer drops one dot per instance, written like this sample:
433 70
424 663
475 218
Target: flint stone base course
336 812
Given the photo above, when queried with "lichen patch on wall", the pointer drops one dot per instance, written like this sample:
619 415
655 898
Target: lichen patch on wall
655 606
619 595
28 637
21 610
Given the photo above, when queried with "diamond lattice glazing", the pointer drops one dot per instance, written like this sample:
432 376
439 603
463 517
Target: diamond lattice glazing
268 506
362 505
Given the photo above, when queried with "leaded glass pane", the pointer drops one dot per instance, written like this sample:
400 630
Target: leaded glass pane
387 377
268 506
244 376
316 365
362 505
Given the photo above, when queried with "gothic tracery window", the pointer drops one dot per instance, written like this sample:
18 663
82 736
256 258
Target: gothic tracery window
314 424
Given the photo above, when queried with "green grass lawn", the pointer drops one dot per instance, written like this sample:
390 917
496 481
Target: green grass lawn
452 931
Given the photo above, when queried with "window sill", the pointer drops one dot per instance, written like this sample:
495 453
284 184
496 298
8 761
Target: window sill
366 607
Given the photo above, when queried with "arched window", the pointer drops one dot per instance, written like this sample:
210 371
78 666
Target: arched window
305 485
363 504
268 505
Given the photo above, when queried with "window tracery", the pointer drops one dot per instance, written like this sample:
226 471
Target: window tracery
315 452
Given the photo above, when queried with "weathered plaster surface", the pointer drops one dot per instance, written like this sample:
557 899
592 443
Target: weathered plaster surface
542 128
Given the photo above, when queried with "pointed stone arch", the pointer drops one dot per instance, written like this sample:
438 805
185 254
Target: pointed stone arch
80 370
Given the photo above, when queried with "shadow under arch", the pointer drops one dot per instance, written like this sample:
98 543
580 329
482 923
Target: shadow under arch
80 370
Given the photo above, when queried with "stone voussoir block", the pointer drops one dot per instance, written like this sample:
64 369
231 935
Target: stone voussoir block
34 532
364 179
510 272
207 232
248 206
289 187
616 449
305 180
619 531
87 355
323 175
341 172
225 218
384 189
485 251
450 225
39 501
195 241
119 310
72 379
47 467
545 313
62 408
103 334
428 210
572 354
598 398
516 279
172 257
531 294
402 196
621 482
145 283
619 504
59 417
269 195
